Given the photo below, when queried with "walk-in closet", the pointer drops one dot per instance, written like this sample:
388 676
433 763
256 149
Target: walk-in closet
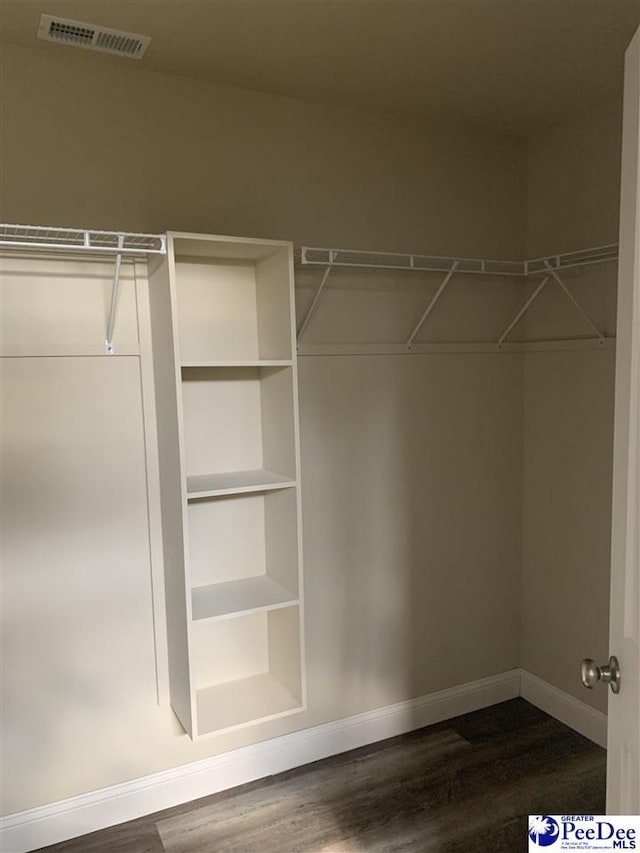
308 396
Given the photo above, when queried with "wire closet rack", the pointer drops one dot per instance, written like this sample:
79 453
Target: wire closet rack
81 239
546 268
120 244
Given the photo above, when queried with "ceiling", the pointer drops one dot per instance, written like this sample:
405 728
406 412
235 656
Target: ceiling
509 65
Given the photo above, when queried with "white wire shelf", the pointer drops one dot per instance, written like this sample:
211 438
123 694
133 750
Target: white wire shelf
548 268
81 240
569 260
316 257
119 244
308 256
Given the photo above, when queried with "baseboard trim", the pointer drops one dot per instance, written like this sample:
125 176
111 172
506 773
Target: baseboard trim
70 818
564 707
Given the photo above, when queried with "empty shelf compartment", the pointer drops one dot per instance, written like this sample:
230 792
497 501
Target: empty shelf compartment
238 419
246 668
243 552
233 307
247 700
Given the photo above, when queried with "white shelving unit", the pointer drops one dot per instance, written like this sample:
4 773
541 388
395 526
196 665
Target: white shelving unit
226 390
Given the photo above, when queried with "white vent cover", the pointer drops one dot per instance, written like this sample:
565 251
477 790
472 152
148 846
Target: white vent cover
93 37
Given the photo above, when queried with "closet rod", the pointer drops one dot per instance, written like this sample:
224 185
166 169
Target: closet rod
456 347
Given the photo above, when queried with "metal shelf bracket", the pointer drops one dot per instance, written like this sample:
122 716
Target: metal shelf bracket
314 302
108 344
432 304
576 304
522 312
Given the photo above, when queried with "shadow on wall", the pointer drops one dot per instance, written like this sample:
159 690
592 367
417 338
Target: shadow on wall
74 503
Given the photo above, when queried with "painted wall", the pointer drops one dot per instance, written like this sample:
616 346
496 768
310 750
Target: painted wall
92 142
573 185
399 454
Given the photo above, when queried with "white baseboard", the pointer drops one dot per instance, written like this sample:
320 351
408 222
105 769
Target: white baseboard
90 812
564 707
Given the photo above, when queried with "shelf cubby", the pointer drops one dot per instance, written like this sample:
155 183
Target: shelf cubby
239 419
243 553
234 305
263 651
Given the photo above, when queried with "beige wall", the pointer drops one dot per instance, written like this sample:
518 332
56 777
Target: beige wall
573 183
399 454
94 143
412 515
568 447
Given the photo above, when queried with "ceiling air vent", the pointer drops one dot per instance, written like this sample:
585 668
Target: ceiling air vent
92 37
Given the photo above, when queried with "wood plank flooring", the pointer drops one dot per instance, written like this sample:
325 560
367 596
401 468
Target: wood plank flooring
463 786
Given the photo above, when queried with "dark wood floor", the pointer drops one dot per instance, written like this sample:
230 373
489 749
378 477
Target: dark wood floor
464 786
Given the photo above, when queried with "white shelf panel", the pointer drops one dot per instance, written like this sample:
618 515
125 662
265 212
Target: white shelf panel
235 483
224 600
230 248
247 700
233 363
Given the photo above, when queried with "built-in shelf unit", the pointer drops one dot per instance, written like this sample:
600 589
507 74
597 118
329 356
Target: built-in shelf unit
226 391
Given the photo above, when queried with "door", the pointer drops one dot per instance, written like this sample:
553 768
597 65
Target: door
623 762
